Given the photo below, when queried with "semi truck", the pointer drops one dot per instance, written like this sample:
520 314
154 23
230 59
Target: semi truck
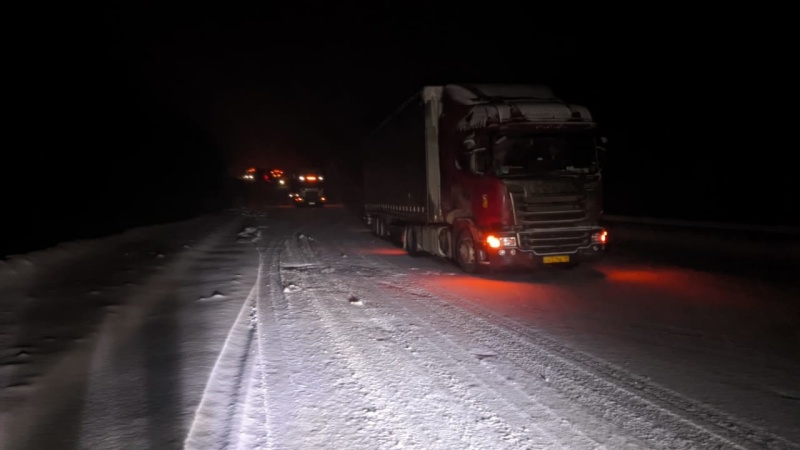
490 176
308 188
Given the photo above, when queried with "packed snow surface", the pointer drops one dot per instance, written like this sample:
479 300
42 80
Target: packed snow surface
289 328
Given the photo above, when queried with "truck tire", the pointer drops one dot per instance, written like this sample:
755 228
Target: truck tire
411 241
465 253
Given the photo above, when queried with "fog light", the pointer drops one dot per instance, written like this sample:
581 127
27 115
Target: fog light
501 253
493 241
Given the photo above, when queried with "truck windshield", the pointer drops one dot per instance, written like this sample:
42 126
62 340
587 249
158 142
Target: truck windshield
542 154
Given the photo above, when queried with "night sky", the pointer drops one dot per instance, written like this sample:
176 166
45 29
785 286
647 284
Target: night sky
124 112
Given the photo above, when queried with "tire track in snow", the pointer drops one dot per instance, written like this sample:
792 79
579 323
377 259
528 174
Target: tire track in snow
251 433
332 404
425 376
668 412
226 409
371 414
219 414
658 416
256 372
460 350
316 396
236 408
271 315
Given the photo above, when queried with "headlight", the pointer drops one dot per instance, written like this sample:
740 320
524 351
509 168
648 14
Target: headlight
495 242
508 241
600 237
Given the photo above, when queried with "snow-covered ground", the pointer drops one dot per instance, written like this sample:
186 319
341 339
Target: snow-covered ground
298 329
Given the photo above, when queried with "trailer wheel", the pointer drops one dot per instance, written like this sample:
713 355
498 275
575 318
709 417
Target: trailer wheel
465 252
411 241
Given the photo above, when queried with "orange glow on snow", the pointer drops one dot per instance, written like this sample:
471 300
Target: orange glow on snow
384 251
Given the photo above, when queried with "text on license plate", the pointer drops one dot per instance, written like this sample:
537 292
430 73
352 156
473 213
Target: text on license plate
555 259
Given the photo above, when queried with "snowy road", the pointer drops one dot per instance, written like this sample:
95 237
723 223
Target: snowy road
298 329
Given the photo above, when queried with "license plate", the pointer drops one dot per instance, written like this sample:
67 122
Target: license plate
311 203
555 259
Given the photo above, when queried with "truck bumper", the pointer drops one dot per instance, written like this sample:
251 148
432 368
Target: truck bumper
590 247
515 257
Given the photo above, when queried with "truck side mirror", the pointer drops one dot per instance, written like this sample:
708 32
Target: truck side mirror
603 141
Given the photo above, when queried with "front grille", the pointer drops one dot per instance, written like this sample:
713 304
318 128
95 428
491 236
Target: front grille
554 241
311 194
550 210
552 222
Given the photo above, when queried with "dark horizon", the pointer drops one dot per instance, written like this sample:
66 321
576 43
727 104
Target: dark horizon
158 107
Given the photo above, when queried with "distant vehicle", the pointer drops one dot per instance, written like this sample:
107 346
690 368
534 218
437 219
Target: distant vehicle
307 188
256 174
489 176
250 174
277 178
274 177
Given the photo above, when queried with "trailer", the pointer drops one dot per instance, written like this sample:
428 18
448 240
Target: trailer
307 188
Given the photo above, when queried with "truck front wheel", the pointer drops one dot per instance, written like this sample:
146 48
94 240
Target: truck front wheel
465 252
